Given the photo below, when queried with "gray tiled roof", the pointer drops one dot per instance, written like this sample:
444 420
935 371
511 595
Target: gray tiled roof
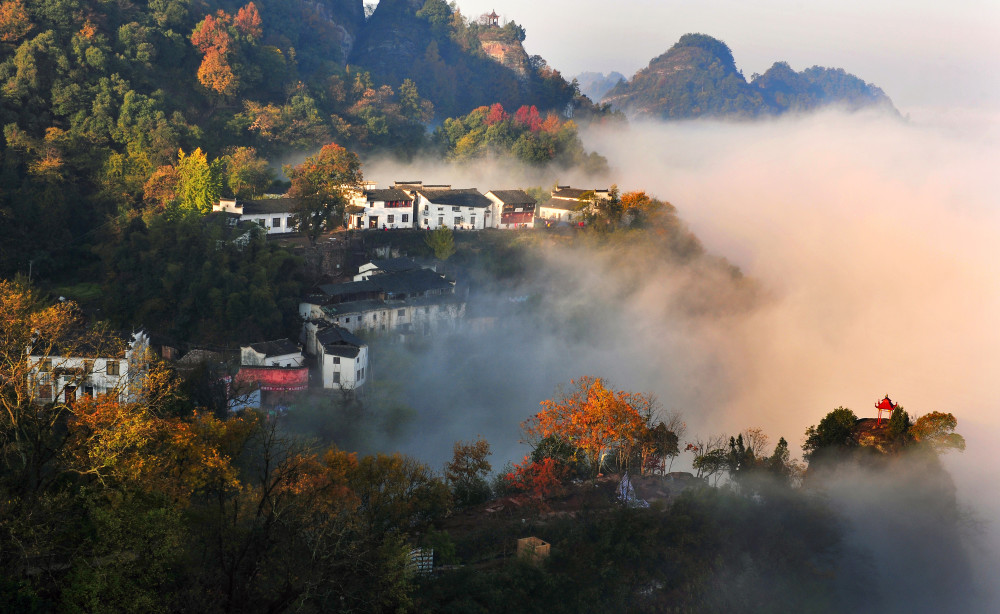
467 197
513 197
279 347
269 205
416 281
573 193
386 195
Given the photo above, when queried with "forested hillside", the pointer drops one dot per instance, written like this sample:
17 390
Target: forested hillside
99 100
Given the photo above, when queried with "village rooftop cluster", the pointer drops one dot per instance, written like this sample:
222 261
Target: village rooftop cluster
394 297
415 205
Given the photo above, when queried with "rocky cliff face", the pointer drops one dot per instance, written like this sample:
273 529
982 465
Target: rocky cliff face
346 17
509 53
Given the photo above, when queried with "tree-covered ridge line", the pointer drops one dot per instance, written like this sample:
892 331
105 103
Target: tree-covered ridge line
697 77
160 505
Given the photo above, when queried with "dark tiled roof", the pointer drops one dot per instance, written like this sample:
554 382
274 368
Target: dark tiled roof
278 347
513 197
352 307
350 287
269 205
416 281
386 195
339 342
573 193
394 265
467 197
85 343
563 205
344 351
338 335
198 356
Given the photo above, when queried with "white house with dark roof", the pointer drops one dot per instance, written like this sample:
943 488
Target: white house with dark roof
279 353
381 209
568 204
66 374
277 215
388 265
512 209
461 209
342 357
416 301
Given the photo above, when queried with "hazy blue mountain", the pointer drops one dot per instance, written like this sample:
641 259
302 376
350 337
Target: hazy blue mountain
595 85
697 77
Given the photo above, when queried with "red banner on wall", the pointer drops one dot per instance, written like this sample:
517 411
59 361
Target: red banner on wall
280 379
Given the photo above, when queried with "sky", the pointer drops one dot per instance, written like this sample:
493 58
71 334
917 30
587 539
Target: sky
930 58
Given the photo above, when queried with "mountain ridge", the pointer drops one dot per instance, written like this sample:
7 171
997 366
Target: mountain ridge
698 77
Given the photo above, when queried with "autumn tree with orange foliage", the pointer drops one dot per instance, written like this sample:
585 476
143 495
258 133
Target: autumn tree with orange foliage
217 37
537 480
596 420
321 184
14 21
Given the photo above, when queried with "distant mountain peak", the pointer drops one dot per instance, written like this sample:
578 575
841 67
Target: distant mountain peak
697 77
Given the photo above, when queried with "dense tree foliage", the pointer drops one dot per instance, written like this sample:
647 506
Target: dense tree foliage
97 100
597 422
198 279
842 435
526 136
147 504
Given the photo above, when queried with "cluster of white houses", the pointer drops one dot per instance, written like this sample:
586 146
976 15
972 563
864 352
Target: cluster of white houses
412 204
396 296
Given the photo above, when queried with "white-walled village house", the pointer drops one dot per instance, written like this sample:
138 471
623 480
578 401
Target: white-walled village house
512 209
416 301
460 209
567 204
342 357
66 375
381 209
389 265
278 353
275 214
276 368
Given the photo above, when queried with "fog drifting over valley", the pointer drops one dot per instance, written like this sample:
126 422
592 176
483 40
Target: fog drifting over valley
877 240
871 262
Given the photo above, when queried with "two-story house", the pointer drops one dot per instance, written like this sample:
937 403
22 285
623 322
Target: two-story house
381 209
64 373
460 209
512 209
